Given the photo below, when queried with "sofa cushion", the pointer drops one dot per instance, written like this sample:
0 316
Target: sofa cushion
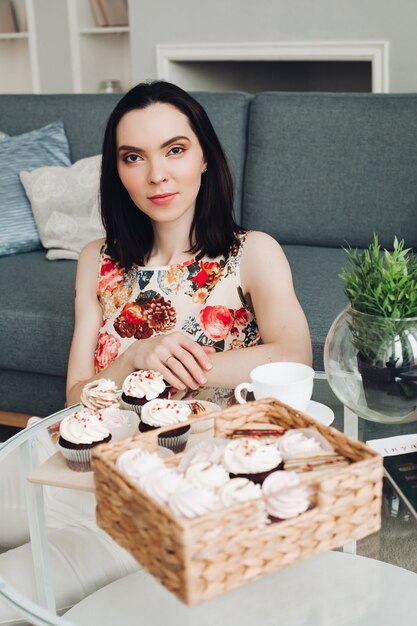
64 202
319 289
323 169
34 394
37 319
44 146
228 112
84 117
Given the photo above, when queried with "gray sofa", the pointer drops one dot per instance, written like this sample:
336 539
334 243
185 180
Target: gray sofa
313 170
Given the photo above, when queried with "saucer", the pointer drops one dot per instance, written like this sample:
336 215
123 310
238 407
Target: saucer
320 412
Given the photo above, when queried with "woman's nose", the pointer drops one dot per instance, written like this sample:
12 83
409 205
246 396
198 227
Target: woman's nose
156 173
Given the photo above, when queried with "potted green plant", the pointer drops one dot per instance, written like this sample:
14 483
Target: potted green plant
381 286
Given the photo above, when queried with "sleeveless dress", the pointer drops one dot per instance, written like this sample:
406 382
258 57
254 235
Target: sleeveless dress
203 299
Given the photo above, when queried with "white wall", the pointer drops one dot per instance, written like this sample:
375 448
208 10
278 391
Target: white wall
53 46
191 21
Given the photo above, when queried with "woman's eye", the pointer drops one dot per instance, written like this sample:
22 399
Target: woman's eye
131 158
176 150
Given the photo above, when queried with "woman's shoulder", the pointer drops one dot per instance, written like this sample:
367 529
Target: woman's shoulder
90 255
92 249
256 241
262 254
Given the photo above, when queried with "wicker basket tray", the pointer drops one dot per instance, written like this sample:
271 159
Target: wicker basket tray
201 558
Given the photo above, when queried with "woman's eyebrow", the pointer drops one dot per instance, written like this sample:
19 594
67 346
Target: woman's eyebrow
164 145
174 140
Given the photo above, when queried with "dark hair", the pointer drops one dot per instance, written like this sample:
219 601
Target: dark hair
129 233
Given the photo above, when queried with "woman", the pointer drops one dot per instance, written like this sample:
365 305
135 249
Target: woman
180 284
175 286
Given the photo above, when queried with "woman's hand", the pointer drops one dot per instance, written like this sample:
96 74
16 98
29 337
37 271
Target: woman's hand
180 360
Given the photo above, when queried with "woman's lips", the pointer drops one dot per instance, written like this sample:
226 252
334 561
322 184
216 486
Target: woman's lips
162 198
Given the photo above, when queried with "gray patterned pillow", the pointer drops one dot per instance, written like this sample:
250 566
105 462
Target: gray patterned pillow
64 202
37 148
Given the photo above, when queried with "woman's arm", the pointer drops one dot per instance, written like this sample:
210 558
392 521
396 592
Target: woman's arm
88 319
191 359
268 284
266 280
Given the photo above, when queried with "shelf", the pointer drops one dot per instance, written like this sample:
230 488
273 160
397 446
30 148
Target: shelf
105 30
97 52
7 36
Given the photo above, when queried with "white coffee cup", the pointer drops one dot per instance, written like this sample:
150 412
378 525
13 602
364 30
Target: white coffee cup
291 383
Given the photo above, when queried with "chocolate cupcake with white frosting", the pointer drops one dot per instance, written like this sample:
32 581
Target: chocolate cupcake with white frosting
79 433
158 413
142 386
252 459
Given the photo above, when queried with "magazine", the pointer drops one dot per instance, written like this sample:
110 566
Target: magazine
400 465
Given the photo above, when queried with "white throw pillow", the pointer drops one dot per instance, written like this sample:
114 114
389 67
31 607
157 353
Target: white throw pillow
64 202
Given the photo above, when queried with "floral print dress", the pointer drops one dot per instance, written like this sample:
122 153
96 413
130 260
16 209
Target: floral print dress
202 298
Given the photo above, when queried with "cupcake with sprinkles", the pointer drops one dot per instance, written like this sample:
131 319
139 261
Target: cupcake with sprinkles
79 433
142 386
251 458
158 413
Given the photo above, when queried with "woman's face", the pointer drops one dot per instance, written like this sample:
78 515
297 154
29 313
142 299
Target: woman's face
160 162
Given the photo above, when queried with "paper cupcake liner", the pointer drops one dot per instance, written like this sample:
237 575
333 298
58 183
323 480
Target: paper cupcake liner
137 408
164 453
77 460
173 441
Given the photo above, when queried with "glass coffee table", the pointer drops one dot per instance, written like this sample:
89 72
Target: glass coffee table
367 582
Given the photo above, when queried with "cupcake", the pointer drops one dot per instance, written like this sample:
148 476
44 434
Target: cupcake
252 459
78 434
142 386
158 413
175 439
100 394
121 423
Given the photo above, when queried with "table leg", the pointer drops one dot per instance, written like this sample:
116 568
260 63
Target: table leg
350 547
350 423
350 428
37 529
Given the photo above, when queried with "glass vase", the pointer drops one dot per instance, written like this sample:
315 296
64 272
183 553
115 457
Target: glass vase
371 365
